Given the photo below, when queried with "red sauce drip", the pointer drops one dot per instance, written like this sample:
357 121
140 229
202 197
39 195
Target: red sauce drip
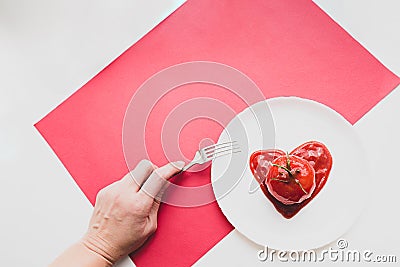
316 153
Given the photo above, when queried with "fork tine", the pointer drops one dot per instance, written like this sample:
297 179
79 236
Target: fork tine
220 150
222 146
217 155
218 145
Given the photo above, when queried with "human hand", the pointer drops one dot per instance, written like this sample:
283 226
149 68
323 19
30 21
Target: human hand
125 213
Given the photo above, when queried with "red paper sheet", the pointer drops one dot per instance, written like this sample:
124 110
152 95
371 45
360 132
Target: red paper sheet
287 47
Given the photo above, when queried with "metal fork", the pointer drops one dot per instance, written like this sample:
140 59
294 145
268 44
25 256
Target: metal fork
209 153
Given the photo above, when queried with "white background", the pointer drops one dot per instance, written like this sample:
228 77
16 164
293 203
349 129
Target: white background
48 49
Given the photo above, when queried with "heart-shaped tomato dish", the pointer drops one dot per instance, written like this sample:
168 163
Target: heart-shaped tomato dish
291 180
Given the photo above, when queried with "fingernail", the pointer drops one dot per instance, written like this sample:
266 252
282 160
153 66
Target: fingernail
178 164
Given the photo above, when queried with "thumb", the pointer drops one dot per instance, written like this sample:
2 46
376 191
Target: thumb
159 178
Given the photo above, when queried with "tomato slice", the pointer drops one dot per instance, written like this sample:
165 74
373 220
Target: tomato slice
260 162
319 157
291 181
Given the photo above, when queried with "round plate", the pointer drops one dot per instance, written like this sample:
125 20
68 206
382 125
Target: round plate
330 214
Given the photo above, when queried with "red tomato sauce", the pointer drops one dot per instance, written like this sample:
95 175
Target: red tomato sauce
316 153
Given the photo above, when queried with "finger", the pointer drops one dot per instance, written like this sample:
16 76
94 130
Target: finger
158 198
140 174
154 210
159 178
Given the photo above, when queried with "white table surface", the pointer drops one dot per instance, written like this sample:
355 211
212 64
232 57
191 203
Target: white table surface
48 49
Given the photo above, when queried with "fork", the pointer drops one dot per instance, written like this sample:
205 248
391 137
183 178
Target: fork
211 152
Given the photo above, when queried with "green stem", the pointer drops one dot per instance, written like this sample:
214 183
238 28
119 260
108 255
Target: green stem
302 188
279 166
288 161
288 169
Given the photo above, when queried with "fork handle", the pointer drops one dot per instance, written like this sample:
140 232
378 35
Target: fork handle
188 166
183 169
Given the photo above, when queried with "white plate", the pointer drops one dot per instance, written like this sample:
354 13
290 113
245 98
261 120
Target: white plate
330 214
